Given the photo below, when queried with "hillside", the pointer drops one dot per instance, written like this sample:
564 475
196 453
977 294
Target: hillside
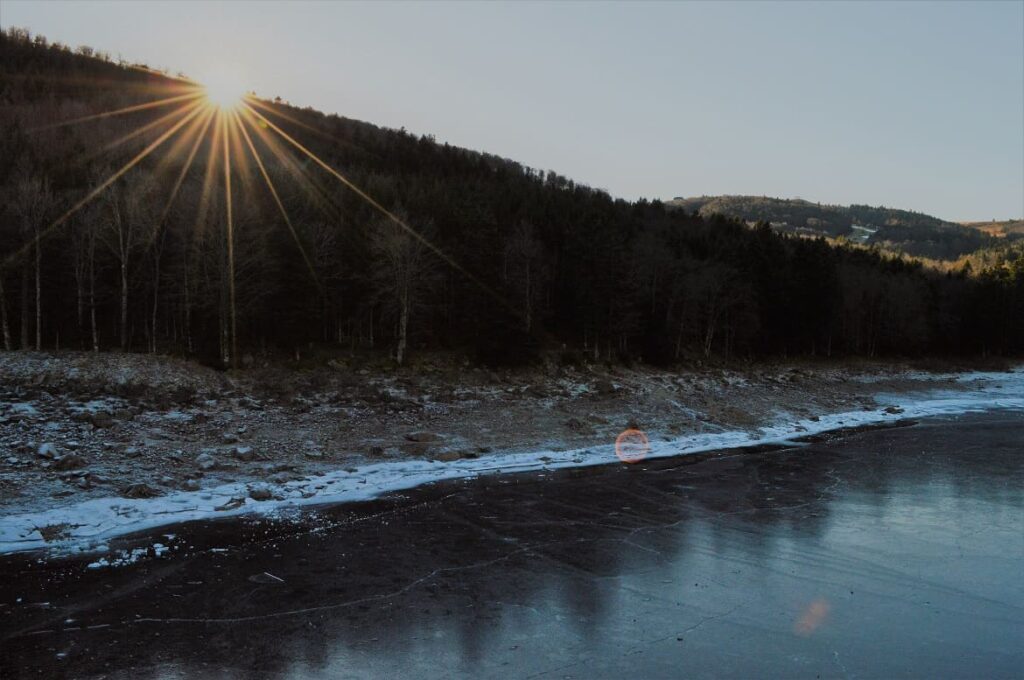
999 228
288 232
903 231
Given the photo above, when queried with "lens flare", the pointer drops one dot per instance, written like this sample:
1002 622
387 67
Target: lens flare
631 446
812 617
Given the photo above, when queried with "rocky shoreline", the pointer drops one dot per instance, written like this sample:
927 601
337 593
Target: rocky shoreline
75 426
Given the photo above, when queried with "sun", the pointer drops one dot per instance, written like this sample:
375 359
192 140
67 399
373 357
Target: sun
223 90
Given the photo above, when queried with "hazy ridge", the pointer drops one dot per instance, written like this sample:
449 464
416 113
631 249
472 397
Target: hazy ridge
905 231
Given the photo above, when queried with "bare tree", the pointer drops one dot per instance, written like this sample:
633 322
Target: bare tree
403 270
3 315
325 270
31 201
249 271
523 270
188 233
157 249
717 290
652 268
155 241
131 214
83 239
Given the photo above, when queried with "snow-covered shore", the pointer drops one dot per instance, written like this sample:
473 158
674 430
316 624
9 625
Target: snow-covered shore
86 526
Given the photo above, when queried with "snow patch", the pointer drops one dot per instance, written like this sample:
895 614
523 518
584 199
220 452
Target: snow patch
23 408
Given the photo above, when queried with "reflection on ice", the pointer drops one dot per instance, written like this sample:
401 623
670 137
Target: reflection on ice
886 553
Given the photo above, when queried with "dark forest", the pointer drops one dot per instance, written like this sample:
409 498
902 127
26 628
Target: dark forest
504 262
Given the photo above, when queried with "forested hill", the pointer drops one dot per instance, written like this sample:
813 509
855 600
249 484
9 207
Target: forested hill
903 231
1011 229
476 255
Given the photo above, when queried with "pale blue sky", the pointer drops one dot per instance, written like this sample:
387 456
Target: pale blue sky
915 105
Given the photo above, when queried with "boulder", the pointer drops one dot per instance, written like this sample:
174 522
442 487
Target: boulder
231 504
311 449
243 453
71 461
280 477
423 437
447 456
250 403
415 448
260 493
578 426
140 491
46 450
538 391
101 420
205 461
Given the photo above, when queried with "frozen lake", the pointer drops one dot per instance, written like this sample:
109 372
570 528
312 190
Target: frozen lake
893 552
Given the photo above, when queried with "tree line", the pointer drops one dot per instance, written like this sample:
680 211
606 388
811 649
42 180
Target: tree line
477 254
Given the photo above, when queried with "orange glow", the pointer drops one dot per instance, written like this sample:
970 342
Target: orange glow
139 131
202 125
631 446
223 89
120 112
812 617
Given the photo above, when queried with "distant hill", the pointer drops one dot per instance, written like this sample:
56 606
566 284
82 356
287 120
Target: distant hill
999 228
905 231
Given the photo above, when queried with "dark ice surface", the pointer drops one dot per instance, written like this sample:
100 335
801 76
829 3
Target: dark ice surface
888 553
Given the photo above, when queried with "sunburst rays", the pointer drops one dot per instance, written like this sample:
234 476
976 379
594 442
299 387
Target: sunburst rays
277 199
167 101
197 133
223 119
377 206
229 125
116 175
